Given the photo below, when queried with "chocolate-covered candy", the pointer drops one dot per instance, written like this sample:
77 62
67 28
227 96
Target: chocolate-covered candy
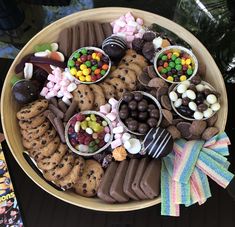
196 80
115 47
132 105
134 114
185 101
128 120
123 107
133 125
192 87
142 105
128 96
154 113
26 91
202 107
123 114
151 107
143 128
185 111
158 143
138 96
143 116
137 45
207 92
199 100
148 50
152 122
149 36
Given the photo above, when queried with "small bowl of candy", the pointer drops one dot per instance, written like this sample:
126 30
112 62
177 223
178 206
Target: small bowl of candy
139 111
175 64
89 65
88 133
195 99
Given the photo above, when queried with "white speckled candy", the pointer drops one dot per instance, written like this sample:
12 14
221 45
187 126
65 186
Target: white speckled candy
181 88
208 113
89 131
191 94
186 83
173 96
200 87
178 103
192 106
211 99
215 106
134 146
198 115
77 126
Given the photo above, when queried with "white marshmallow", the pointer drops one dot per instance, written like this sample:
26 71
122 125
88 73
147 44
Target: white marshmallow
157 42
118 129
71 87
134 146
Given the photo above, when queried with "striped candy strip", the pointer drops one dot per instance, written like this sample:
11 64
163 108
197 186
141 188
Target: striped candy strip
188 158
168 207
217 157
214 170
194 197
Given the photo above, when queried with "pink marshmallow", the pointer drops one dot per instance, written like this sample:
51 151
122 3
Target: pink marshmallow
123 29
129 17
63 88
116 28
113 102
111 116
122 18
105 108
57 87
68 95
44 91
64 82
129 38
114 111
51 78
50 84
114 124
121 23
130 29
60 94
116 143
138 35
140 21
117 136
119 124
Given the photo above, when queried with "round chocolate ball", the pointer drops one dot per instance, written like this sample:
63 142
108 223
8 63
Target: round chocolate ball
26 91
138 96
192 87
128 120
185 101
185 111
133 125
128 96
202 107
149 36
154 113
196 80
148 50
143 128
134 114
143 116
152 122
123 114
123 106
151 107
132 105
143 105
138 44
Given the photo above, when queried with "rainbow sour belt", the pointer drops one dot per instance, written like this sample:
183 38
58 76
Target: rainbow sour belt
184 172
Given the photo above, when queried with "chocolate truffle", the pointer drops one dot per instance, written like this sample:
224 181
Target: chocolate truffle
128 96
149 36
115 47
137 45
132 105
143 128
133 125
143 105
148 50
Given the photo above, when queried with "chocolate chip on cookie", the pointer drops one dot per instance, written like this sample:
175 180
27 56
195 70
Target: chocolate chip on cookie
109 90
119 85
99 96
32 122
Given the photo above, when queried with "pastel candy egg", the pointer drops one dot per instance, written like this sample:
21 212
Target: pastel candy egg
200 87
192 106
208 113
181 88
211 99
215 106
107 137
77 126
173 96
191 94
89 131
198 115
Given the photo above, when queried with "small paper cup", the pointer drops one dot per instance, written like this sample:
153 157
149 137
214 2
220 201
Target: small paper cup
95 49
155 101
180 49
188 118
88 154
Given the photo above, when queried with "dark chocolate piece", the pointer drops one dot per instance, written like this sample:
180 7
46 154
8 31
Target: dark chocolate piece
129 178
116 189
56 111
47 61
70 111
62 106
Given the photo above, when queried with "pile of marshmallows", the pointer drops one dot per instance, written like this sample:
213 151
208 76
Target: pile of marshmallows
128 28
121 136
60 84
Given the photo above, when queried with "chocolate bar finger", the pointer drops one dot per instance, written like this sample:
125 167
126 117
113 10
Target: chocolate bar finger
60 128
70 111
50 116
53 101
56 111
116 189
104 188
107 29
99 34
62 106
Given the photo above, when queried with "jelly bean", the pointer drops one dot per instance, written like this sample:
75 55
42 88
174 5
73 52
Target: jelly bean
82 78
94 135
102 72
93 117
71 63
84 125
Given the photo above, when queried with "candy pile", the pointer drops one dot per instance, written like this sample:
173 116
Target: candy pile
138 112
59 85
88 133
175 65
128 28
121 136
89 64
195 99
